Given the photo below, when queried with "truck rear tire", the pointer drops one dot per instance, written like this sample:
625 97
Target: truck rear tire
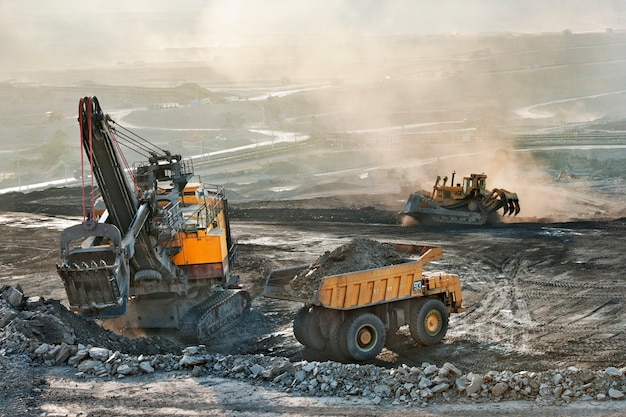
429 321
362 336
306 329
335 338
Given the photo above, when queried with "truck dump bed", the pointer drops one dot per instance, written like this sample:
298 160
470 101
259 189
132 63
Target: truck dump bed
368 287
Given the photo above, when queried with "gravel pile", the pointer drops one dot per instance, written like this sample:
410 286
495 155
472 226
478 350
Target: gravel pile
31 329
357 255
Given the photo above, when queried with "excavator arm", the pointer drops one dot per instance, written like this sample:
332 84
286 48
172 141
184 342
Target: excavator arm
100 260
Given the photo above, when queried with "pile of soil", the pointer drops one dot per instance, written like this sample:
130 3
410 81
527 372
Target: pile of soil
357 255
48 321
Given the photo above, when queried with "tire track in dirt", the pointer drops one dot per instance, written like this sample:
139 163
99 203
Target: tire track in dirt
575 319
501 315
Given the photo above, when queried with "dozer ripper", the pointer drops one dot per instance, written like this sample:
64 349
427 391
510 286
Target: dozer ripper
159 256
467 203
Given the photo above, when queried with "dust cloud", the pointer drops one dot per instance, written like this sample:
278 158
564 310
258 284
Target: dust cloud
441 87
65 33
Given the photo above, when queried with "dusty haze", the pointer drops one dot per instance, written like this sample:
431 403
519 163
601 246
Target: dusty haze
66 33
395 93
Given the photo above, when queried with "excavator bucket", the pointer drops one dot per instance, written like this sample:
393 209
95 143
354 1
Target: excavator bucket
95 269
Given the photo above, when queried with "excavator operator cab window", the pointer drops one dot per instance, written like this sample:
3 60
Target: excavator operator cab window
482 183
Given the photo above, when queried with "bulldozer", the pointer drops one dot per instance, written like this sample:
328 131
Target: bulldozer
157 255
469 202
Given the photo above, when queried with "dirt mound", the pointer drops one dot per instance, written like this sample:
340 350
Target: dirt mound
48 321
357 255
61 201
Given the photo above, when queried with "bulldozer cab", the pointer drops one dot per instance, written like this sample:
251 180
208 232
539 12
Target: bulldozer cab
474 182
471 186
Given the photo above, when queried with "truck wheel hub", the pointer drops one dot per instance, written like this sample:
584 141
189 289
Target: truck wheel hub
433 323
364 337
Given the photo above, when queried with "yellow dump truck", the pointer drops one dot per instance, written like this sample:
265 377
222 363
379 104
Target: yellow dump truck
352 313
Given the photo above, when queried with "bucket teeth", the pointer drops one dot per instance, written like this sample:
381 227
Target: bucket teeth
93 265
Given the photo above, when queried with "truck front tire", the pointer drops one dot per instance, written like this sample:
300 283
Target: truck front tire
429 321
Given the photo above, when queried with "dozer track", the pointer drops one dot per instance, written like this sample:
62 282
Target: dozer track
442 218
428 210
215 314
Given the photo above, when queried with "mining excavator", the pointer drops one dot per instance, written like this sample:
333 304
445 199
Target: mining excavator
467 203
158 254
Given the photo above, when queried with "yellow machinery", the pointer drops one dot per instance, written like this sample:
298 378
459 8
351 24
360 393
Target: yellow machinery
351 313
160 255
469 202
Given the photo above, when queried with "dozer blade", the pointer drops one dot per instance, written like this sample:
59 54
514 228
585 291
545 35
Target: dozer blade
425 209
95 273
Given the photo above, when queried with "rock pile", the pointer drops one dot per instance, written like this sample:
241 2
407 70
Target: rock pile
21 336
412 385
357 255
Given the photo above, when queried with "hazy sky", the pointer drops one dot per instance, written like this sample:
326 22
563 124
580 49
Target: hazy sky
40 32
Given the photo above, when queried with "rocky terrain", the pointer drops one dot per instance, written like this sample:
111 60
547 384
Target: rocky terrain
508 348
312 159
39 333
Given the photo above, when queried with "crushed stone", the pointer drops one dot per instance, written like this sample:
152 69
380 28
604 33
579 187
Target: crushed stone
38 332
357 255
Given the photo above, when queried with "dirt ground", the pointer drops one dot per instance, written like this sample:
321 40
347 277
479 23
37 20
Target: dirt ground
314 159
539 296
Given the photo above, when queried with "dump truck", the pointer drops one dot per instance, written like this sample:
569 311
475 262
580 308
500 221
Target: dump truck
154 250
351 314
469 202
